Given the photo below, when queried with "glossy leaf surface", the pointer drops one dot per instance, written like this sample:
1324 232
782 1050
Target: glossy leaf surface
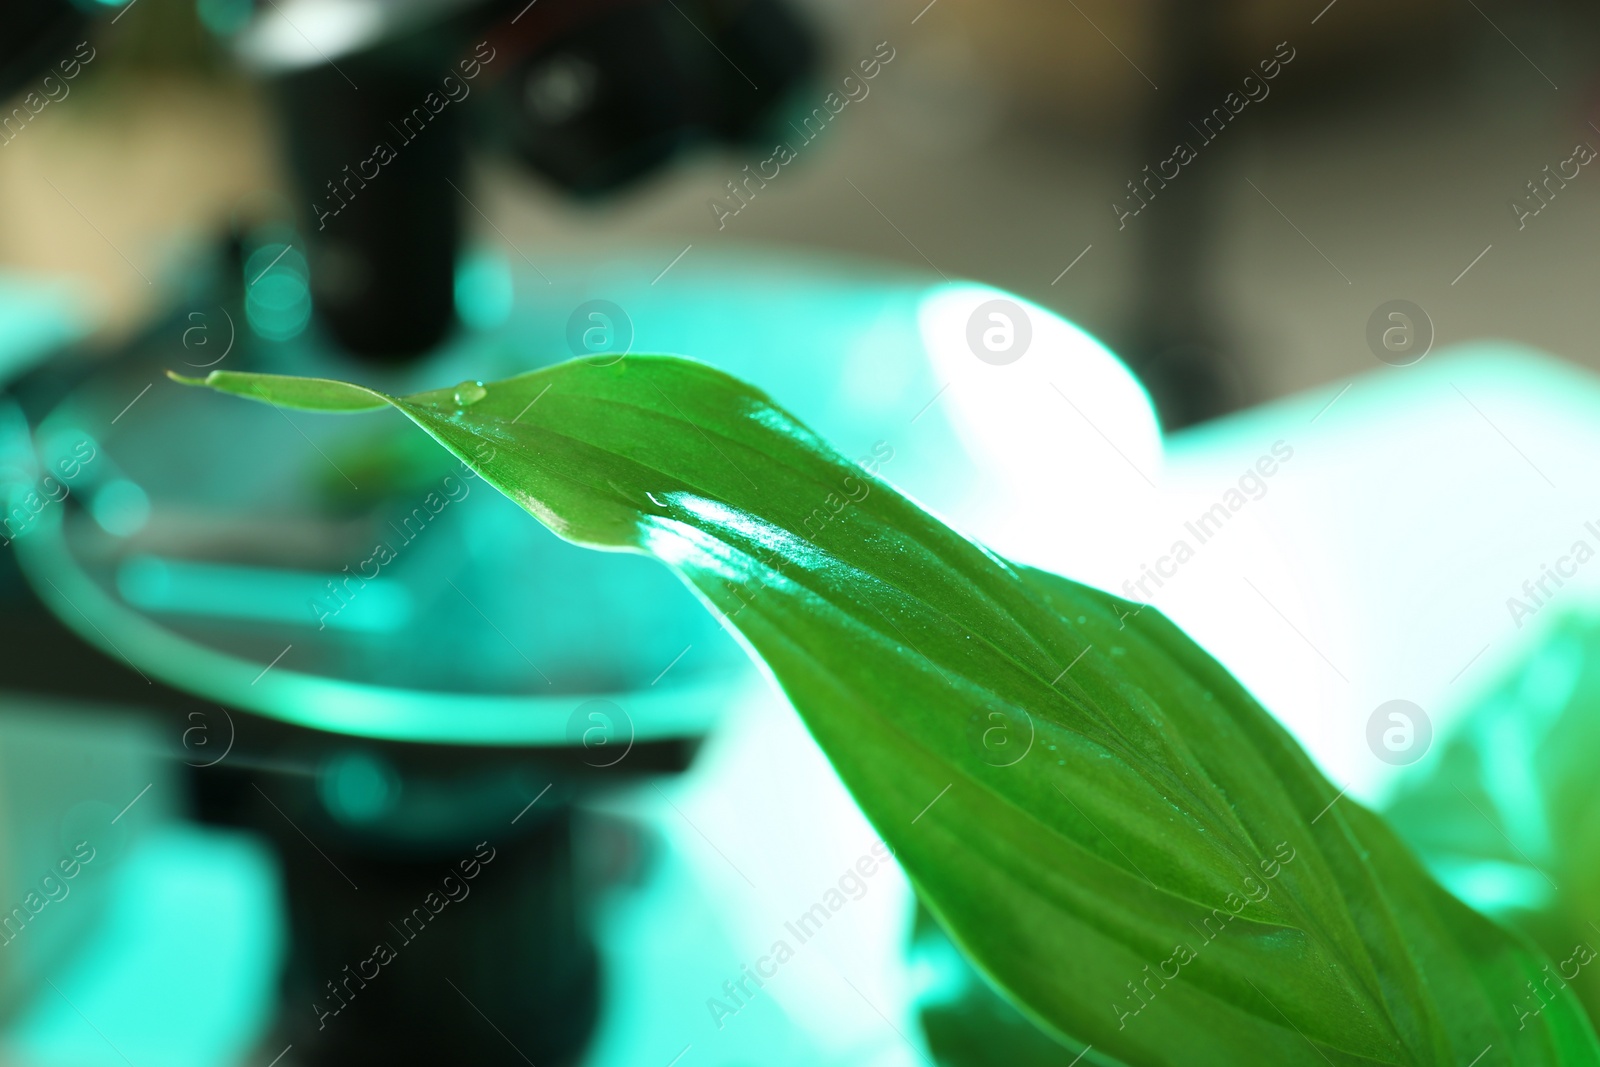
1105 821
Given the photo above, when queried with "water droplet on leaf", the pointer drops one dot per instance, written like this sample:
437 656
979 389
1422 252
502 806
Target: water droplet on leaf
469 393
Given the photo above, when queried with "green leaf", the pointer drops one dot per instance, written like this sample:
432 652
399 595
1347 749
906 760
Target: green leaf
306 394
967 1024
1153 867
1507 812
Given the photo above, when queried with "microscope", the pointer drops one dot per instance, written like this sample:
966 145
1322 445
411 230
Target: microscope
370 659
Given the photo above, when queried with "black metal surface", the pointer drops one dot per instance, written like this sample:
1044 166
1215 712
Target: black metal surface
601 94
517 948
459 936
382 235
590 95
37 34
1175 341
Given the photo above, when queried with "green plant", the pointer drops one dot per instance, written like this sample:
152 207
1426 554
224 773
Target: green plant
1163 875
1508 813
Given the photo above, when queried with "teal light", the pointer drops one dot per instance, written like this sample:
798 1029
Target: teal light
224 17
356 709
939 974
37 317
483 290
261 594
181 971
357 787
277 300
1494 886
120 507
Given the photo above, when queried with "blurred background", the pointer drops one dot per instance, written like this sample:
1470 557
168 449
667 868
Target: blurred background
277 747
1392 143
